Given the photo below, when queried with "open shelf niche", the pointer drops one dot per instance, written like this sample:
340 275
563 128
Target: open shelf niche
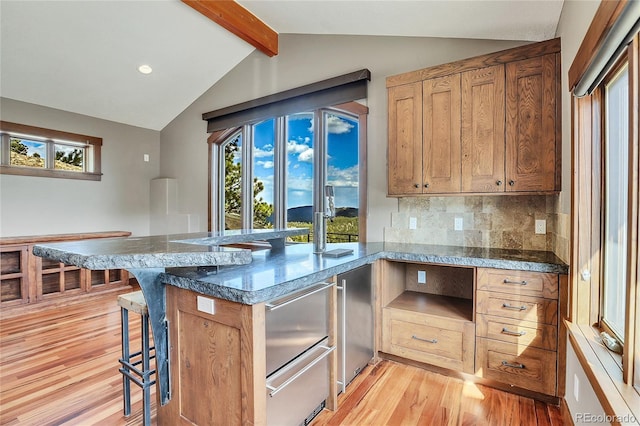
448 291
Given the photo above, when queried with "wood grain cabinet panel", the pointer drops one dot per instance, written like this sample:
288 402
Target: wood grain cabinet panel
538 284
531 125
525 308
522 333
441 134
487 126
523 366
432 339
218 373
483 130
405 136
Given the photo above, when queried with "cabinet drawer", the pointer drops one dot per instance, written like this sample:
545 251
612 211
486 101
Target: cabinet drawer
428 338
528 368
532 309
523 333
538 284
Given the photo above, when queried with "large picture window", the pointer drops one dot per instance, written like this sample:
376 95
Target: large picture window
275 171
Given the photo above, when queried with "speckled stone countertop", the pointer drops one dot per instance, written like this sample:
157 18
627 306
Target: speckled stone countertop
274 274
144 252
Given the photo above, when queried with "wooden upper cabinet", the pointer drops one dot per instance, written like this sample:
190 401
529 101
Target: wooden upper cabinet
405 130
483 130
531 124
441 134
489 124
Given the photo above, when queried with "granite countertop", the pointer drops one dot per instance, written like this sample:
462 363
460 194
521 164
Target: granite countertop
161 251
274 274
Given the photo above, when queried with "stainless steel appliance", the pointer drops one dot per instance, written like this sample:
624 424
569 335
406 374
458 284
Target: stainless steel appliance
297 327
355 323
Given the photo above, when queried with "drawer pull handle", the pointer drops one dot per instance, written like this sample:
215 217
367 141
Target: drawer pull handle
513 333
275 390
507 281
508 364
274 306
424 340
517 308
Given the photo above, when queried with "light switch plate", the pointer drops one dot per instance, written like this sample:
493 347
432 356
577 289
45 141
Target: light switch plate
422 277
457 224
541 226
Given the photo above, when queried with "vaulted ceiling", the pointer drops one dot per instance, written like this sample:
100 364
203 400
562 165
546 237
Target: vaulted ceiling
82 56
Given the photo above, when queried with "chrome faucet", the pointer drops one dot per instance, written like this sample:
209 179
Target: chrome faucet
320 221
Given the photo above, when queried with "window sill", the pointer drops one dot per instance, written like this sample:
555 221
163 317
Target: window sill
32 171
602 367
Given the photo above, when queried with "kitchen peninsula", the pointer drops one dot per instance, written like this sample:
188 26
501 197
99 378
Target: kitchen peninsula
215 317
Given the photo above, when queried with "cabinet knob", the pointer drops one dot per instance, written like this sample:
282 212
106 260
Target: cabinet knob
426 185
499 182
512 182
415 185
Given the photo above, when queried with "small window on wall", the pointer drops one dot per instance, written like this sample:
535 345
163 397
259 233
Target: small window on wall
34 151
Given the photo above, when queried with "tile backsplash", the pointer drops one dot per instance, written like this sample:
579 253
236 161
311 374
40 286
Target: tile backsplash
499 221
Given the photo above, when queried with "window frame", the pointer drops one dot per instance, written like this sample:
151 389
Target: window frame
217 139
50 138
601 322
615 378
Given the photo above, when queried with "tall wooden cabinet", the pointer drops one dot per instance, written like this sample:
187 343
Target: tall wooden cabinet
489 124
405 128
441 134
531 124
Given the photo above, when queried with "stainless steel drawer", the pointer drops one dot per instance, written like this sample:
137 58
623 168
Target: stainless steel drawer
296 390
295 323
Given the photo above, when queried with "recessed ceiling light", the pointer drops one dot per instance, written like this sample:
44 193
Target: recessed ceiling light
145 69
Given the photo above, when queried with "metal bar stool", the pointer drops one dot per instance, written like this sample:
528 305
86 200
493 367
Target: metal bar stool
135 302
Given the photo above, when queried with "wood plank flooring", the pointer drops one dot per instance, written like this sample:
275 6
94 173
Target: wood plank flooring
60 367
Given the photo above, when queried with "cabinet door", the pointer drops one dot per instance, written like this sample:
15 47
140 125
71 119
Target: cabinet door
531 124
441 134
483 130
405 139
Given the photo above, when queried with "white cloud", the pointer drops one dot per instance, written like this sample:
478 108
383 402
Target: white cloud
266 151
304 152
337 125
306 156
265 164
343 177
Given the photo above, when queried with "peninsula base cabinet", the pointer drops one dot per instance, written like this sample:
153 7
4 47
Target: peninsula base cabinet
217 363
499 326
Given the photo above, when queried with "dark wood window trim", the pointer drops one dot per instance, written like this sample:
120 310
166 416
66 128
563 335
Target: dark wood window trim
95 142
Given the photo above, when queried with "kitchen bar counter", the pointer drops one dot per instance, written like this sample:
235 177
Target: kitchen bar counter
196 263
271 275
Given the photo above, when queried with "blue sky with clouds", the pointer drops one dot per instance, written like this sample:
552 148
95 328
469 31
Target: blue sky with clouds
342 159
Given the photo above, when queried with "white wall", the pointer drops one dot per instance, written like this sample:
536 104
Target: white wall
120 201
305 59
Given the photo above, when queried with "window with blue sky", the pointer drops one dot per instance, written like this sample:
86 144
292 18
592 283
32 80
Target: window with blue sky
287 154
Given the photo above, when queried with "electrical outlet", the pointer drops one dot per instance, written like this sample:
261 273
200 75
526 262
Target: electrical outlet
457 224
541 226
145 157
413 223
422 277
576 387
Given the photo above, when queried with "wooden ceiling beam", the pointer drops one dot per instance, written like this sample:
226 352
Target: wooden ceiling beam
241 22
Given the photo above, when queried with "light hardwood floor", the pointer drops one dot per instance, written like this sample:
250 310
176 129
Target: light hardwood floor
61 368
